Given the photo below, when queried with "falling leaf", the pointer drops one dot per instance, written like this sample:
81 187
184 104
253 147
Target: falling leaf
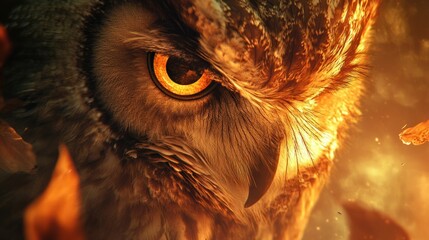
370 224
16 155
416 135
55 214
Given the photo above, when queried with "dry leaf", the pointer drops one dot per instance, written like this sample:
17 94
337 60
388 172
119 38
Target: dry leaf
416 135
16 155
56 213
370 224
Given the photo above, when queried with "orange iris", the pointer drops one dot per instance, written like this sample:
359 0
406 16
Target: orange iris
188 83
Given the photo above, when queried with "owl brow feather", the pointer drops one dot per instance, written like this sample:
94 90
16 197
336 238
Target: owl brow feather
261 93
161 44
160 36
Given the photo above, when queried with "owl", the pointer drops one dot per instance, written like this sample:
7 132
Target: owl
185 119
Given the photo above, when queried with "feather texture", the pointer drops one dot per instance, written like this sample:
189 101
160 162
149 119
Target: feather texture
245 162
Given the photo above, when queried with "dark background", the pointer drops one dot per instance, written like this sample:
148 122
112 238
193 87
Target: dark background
374 167
5 6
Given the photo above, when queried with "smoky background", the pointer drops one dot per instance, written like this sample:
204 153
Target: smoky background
374 167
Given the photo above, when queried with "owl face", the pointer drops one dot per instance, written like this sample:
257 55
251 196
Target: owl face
217 124
234 108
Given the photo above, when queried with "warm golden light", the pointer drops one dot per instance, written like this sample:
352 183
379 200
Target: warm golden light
55 214
375 168
379 186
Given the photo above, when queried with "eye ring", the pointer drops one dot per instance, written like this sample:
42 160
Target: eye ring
157 64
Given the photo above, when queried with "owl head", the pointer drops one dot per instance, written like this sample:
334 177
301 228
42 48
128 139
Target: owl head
234 107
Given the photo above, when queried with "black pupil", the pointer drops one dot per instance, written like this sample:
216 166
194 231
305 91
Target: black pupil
184 72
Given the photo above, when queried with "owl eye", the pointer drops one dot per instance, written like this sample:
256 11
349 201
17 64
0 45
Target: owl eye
180 79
